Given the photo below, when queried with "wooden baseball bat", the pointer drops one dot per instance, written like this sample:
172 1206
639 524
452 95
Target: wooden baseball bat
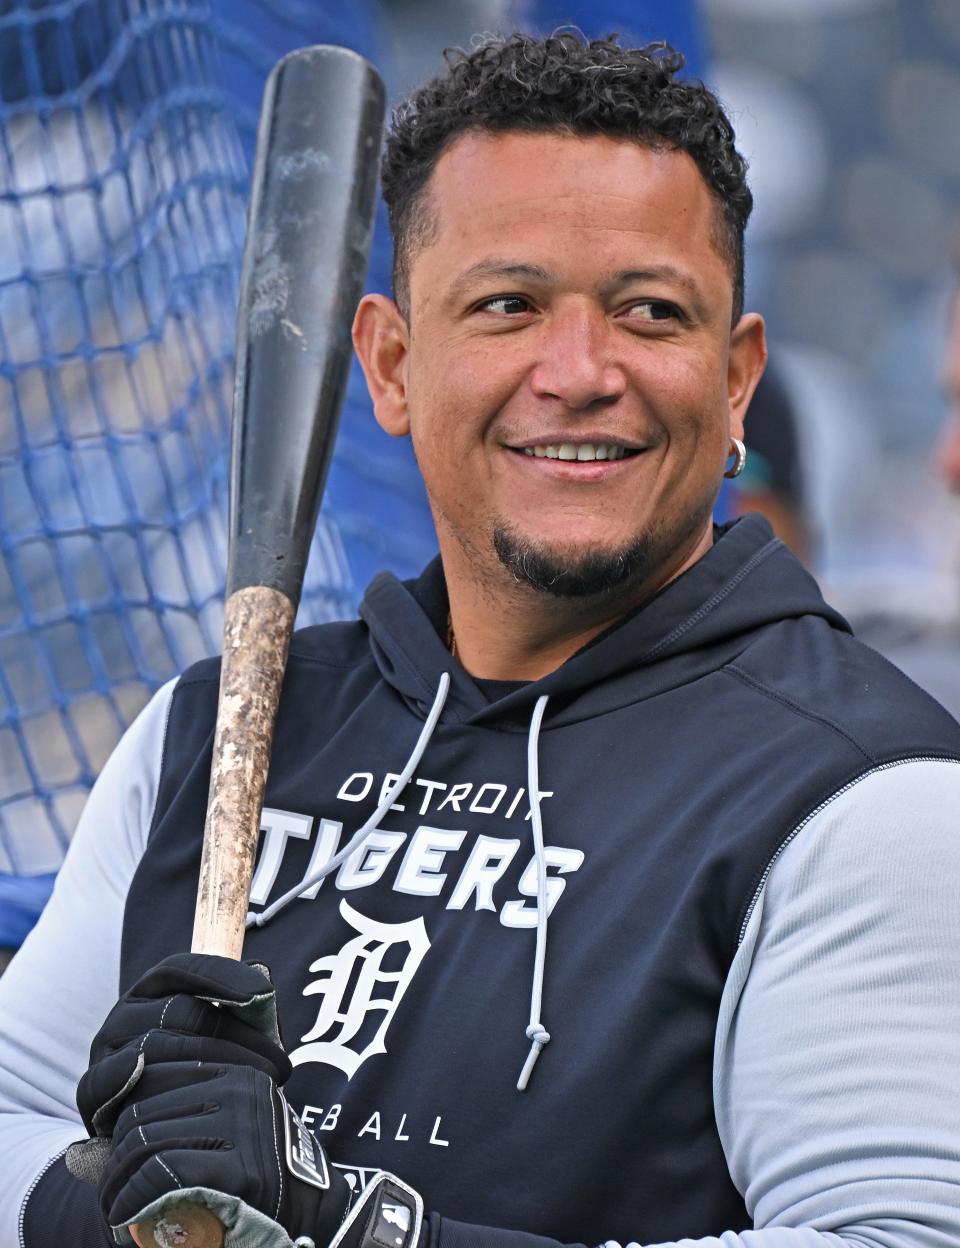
309 228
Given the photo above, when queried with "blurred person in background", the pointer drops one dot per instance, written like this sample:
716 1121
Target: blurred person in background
948 448
772 479
928 649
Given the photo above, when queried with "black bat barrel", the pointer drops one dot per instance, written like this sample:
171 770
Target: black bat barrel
309 228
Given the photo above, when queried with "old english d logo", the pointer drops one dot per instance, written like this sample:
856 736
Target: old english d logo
355 988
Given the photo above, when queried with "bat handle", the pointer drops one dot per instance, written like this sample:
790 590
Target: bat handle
257 624
182 1226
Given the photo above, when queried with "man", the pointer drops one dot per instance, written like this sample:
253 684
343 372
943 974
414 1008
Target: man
639 919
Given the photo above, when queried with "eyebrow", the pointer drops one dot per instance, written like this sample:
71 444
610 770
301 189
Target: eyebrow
657 272
494 266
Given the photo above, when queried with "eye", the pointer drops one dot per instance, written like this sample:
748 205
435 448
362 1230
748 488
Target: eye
504 305
654 310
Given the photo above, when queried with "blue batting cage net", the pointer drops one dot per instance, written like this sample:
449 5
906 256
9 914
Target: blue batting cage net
126 136
126 131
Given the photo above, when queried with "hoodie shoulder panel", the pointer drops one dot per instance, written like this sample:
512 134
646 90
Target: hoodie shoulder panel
832 678
341 643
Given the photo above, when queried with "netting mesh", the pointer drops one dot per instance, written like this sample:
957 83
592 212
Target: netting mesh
125 133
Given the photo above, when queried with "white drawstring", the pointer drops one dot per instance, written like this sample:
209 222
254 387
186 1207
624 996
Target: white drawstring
358 838
536 1032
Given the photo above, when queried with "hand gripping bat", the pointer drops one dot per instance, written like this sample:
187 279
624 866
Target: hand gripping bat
308 239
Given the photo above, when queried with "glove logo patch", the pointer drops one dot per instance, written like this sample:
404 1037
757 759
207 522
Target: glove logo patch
393 1216
354 988
306 1160
396 1215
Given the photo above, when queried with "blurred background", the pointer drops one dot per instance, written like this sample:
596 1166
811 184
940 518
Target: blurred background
126 136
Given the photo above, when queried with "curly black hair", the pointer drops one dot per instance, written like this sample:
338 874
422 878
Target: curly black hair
569 85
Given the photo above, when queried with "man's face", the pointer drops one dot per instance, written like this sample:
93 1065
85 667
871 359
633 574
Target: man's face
568 379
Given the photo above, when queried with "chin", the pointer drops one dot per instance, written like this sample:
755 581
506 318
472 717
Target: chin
568 570
587 570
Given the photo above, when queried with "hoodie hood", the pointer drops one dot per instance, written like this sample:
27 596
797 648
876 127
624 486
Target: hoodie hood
703 619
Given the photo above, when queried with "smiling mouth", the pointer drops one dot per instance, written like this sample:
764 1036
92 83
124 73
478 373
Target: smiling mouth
584 452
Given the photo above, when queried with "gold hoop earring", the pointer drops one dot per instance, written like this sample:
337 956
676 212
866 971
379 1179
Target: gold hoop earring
737 448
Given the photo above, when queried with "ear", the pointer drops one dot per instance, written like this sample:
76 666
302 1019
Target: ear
381 340
745 365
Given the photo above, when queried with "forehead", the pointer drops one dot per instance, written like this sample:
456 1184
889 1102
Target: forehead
577 197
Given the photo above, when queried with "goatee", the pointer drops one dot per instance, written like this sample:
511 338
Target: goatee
591 573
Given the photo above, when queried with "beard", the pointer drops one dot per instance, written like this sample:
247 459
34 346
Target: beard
577 573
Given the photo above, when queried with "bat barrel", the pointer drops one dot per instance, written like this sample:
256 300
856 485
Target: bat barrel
314 181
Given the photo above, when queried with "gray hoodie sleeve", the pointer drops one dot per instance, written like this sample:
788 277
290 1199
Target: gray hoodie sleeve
838 1040
58 989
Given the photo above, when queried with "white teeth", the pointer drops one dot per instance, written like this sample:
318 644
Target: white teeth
585 452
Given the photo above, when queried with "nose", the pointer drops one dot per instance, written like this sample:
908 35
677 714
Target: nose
576 363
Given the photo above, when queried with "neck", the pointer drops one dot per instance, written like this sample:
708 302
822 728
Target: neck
509 631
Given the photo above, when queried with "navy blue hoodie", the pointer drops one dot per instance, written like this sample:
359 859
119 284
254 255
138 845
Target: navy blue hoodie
678 752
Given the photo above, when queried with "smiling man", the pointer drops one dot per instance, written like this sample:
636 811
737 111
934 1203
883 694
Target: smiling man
607 883
571 362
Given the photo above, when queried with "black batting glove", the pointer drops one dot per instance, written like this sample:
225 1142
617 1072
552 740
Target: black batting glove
183 1098
182 1094
224 1132
190 1007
